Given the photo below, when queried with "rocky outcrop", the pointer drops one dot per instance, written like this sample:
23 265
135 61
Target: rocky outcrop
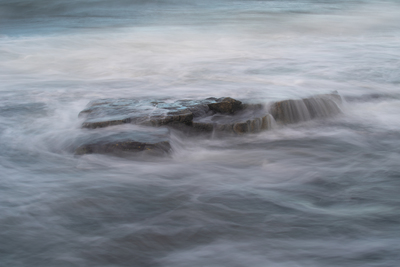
211 115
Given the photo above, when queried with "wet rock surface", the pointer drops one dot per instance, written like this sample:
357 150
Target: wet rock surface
153 141
293 111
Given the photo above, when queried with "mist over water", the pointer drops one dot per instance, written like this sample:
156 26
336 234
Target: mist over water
316 193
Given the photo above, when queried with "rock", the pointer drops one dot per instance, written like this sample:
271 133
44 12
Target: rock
226 105
208 115
199 108
290 111
211 115
109 112
319 106
153 140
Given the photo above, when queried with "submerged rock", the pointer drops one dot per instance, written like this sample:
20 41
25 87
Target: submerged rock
319 106
154 141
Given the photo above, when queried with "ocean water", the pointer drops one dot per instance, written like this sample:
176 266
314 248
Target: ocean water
317 193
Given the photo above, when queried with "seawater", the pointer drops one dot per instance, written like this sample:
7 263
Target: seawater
317 193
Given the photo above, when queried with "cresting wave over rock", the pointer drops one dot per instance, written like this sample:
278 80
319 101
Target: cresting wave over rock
211 115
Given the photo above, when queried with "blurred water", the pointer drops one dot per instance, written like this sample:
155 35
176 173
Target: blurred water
320 193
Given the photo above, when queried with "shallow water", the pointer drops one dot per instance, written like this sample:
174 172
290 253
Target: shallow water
317 193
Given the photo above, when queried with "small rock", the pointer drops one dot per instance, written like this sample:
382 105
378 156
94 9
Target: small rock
151 141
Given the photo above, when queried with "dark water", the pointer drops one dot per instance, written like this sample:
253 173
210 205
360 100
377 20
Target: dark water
318 193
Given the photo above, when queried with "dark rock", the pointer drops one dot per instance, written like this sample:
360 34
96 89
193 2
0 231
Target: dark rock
226 105
109 112
154 141
292 111
184 117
